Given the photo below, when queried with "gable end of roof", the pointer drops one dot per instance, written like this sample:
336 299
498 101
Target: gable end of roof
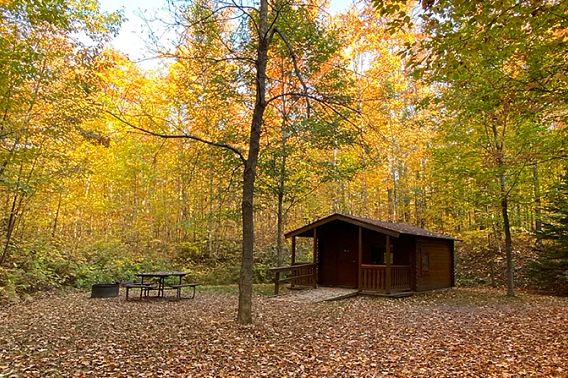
389 228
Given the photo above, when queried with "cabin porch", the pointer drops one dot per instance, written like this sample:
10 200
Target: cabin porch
373 279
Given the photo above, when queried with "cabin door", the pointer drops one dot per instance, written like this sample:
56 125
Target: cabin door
338 255
347 266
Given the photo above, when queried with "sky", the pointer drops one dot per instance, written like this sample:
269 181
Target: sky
132 39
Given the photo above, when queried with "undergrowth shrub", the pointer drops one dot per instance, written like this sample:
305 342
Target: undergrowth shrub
45 264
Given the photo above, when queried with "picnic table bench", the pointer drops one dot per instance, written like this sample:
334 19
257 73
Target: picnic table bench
144 288
181 286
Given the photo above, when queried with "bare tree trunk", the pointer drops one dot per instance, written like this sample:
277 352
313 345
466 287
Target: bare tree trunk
503 194
56 219
280 229
281 191
391 205
9 229
336 202
537 204
364 188
282 177
508 239
11 224
244 314
497 244
11 154
210 205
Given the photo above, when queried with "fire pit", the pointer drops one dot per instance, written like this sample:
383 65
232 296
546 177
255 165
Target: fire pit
104 290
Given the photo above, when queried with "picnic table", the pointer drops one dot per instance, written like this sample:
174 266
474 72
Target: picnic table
156 281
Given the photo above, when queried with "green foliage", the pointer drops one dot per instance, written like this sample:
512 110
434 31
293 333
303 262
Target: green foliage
113 261
549 270
226 271
222 273
190 252
79 208
45 265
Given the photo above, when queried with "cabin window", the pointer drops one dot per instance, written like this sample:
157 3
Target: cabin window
425 262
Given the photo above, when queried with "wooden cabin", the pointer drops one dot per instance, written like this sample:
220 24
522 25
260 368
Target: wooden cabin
372 256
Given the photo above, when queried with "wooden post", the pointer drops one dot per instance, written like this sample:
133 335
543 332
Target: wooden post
388 264
315 257
293 258
293 250
360 250
413 262
276 282
452 264
315 246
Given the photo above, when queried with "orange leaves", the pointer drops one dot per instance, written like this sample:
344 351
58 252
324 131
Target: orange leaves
462 332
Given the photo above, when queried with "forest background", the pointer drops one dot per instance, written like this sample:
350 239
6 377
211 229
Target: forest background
448 115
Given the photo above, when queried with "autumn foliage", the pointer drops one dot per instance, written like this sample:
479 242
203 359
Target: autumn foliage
453 123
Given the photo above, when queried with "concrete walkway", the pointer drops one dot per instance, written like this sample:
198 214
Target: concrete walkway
321 294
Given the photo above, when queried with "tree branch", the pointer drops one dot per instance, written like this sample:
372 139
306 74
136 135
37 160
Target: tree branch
181 136
296 68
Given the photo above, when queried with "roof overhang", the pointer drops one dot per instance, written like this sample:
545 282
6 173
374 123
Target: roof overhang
339 217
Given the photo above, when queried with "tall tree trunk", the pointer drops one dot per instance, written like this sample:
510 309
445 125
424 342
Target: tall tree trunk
11 223
336 201
364 188
281 191
280 229
496 244
244 314
504 203
282 176
391 204
56 218
9 229
537 204
210 205
508 239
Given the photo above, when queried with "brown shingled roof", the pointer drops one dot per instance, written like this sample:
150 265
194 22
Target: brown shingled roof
391 228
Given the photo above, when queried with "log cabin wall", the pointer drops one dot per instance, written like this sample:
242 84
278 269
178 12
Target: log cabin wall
434 264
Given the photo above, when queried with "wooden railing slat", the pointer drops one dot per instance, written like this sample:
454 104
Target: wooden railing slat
373 277
298 274
291 267
288 279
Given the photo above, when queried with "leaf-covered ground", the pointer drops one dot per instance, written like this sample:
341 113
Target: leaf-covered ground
460 332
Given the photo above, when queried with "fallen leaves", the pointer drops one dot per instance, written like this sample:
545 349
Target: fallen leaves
454 333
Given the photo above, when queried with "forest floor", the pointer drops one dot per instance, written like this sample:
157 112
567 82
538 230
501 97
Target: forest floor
458 332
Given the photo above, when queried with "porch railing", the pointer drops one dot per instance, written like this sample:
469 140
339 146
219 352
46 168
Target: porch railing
300 275
374 277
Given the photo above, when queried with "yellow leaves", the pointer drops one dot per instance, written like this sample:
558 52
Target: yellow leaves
515 65
561 34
